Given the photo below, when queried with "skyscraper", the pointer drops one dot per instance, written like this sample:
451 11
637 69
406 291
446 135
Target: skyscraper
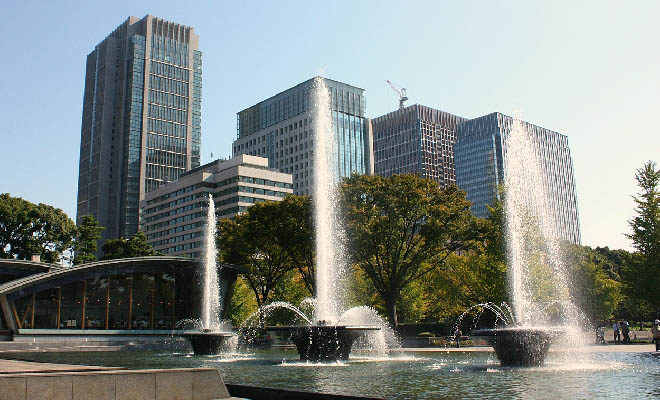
416 139
279 128
480 152
141 119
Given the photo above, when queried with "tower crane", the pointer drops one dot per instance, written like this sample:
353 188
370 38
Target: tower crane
401 91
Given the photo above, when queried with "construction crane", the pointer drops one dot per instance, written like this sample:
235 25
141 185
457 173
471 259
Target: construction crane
401 91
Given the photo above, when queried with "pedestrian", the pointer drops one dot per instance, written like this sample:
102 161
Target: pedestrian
615 330
655 329
457 336
600 335
625 330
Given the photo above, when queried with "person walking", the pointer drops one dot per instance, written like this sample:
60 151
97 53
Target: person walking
655 329
625 330
615 331
457 336
600 335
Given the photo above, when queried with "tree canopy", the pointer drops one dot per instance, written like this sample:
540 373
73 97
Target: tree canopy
27 228
294 232
419 255
642 274
592 289
87 237
472 277
136 246
251 240
403 227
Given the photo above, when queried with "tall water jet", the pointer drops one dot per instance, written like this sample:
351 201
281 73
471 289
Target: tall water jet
325 181
533 248
210 284
538 277
209 339
326 337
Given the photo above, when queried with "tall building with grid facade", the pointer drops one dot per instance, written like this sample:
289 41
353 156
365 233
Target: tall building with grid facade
141 119
416 139
480 154
280 129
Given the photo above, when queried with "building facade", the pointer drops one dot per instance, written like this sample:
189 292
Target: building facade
480 154
416 139
129 296
280 129
141 119
174 216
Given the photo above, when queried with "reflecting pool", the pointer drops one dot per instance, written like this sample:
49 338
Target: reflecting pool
410 375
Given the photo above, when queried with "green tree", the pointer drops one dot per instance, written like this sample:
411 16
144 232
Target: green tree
403 227
495 225
465 280
87 237
476 276
53 233
242 303
361 292
296 235
16 218
136 246
616 261
488 260
646 224
592 289
250 240
115 248
642 275
27 229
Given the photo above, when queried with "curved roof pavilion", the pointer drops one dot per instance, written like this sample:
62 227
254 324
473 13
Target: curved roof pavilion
142 295
14 269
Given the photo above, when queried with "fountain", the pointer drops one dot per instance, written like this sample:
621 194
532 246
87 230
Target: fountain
533 258
328 341
209 338
324 337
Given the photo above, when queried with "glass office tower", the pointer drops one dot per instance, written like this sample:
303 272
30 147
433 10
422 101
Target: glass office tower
141 120
416 139
480 151
279 128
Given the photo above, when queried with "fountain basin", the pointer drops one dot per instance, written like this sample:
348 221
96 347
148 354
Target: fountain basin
520 346
324 342
208 343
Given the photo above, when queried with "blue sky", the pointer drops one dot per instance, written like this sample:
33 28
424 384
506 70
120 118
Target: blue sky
587 69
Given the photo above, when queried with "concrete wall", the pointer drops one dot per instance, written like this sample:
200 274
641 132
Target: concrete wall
193 384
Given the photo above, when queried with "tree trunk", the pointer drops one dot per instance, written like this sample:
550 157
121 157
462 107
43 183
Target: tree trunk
391 312
308 278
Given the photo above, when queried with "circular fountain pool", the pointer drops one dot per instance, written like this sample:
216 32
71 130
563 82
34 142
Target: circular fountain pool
412 375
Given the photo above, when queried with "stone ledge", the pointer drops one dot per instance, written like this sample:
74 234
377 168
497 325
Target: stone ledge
14 366
160 384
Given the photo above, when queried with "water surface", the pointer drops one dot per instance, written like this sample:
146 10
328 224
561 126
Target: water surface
410 375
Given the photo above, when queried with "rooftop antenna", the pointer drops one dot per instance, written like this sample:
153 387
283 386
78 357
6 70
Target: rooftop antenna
401 91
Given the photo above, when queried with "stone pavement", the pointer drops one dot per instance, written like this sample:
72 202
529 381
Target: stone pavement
52 382
26 380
